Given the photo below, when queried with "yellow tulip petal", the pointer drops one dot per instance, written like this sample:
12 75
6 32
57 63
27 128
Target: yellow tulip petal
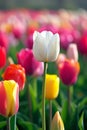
52 86
10 92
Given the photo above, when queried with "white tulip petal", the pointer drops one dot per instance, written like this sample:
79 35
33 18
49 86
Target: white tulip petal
46 46
35 34
46 34
39 48
54 48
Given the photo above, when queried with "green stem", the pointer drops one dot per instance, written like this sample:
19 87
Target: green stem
43 98
29 103
8 123
50 113
13 122
69 99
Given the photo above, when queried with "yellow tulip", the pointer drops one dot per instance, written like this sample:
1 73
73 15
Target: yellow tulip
9 97
52 86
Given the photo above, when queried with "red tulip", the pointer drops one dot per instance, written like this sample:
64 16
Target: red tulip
2 57
68 71
17 73
28 61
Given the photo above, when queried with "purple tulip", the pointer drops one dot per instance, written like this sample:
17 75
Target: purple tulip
28 61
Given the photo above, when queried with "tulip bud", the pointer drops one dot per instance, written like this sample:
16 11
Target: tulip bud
57 123
72 52
9 98
46 46
17 73
52 86
2 57
28 61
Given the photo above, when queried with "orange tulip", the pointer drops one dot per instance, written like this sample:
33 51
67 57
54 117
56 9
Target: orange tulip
17 73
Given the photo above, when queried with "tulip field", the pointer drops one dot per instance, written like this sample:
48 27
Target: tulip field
43 70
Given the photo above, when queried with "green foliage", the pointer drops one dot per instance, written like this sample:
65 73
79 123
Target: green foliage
29 116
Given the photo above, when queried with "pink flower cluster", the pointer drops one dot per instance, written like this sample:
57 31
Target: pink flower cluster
20 24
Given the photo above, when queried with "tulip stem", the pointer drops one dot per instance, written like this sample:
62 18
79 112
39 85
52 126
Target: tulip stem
43 97
13 122
29 103
69 99
50 112
8 123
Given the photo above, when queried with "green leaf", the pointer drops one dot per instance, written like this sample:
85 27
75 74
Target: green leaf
25 125
74 120
82 104
2 124
80 122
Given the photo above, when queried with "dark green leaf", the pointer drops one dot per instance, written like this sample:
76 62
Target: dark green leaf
25 125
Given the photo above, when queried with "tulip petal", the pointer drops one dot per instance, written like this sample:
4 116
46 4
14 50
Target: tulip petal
39 48
52 86
54 48
10 89
57 123
46 46
3 100
47 35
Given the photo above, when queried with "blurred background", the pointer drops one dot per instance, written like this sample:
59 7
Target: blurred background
40 4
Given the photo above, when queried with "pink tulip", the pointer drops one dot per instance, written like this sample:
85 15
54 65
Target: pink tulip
17 32
49 27
65 37
28 61
3 40
72 52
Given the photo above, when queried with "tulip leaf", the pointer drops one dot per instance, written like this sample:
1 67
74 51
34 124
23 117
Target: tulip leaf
82 104
2 124
25 125
81 122
74 119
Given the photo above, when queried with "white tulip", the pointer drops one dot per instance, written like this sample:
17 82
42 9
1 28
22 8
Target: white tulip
46 46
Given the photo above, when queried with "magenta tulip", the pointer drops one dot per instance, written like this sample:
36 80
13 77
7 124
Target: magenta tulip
28 61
